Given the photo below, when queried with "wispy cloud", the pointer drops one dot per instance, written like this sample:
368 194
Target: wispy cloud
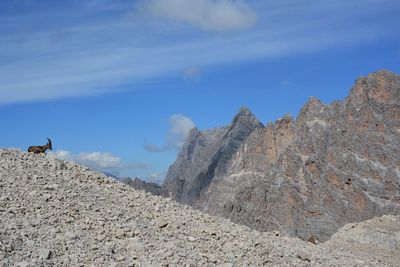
192 73
102 53
286 83
179 128
102 161
209 15
152 147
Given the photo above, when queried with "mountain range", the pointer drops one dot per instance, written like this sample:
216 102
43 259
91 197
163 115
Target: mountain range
307 176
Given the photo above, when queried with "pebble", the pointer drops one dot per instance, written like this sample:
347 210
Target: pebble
120 233
44 254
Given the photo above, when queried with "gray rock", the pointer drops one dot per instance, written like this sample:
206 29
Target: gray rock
71 235
120 233
44 254
161 223
304 256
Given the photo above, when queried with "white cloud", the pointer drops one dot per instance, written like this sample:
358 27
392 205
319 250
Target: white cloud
95 160
102 161
179 128
209 15
98 160
192 73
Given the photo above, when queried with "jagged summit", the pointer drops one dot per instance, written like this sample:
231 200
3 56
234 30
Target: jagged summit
312 100
385 74
245 118
245 112
381 87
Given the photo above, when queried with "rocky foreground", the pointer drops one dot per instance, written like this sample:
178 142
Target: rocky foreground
56 213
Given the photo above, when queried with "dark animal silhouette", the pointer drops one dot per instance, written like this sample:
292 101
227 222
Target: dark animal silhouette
41 149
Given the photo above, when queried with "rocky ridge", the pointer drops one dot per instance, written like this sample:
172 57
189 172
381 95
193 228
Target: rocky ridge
57 213
150 187
307 177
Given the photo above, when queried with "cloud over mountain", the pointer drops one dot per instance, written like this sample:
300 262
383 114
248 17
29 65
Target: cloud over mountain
179 128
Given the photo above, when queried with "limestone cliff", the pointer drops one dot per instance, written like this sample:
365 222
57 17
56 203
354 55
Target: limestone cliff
336 163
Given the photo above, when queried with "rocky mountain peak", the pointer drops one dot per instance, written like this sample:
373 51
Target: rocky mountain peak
378 88
372 78
245 118
314 108
313 101
287 119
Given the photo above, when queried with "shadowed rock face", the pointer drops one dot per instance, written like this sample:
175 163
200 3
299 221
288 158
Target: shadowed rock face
307 177
205 156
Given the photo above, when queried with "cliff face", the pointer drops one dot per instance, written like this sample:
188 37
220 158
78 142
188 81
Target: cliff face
334 164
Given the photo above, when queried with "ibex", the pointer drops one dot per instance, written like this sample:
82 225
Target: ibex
41 149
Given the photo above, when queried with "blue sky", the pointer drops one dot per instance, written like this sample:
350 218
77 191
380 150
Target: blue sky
118 84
